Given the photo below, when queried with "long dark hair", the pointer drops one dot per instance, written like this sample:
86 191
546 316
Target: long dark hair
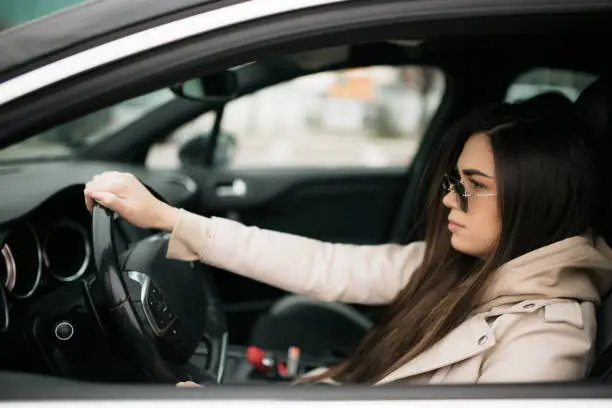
546 181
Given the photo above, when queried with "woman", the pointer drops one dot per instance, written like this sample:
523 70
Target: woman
504 287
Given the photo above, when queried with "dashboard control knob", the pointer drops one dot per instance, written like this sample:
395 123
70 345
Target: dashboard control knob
63 331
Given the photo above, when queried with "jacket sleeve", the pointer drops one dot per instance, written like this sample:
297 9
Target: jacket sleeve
542 348
366 274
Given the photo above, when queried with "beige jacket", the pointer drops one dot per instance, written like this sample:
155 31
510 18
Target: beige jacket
537 324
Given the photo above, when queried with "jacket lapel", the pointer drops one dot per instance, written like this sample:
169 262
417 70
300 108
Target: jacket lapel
472 337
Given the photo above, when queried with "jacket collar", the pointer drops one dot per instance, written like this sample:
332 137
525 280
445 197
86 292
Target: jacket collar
470 338
579 268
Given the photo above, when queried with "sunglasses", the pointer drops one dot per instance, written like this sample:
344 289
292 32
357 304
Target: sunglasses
464 193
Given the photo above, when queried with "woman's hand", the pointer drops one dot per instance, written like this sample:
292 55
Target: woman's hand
187 384
124 194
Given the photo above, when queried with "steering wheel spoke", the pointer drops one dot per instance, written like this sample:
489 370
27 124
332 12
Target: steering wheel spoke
148 297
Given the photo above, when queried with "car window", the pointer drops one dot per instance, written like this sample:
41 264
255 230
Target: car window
69 138
540 80
368 117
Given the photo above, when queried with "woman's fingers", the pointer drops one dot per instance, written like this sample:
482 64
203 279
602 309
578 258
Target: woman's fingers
187 384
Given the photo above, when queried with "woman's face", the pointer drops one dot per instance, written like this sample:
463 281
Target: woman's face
476 231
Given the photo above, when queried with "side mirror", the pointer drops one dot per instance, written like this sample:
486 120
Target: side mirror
196 150
218 87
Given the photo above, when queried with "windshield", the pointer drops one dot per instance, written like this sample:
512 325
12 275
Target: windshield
69 138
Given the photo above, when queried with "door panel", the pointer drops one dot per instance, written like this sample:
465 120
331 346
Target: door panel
340 205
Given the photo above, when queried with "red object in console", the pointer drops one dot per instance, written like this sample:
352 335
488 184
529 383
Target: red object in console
282 370
256 357
262 363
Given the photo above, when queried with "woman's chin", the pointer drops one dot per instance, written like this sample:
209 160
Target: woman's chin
455 242
459 244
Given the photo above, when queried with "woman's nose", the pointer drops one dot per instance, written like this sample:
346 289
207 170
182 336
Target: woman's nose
450 200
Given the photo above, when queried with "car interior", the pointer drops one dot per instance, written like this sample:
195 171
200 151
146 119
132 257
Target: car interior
67 273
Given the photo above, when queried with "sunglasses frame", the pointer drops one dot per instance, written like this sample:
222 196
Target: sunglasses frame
450 183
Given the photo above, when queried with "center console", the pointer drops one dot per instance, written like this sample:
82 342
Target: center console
238 370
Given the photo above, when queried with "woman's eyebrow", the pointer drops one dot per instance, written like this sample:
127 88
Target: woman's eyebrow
474 172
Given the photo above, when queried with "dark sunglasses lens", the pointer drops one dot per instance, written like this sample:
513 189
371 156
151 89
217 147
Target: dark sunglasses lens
463 200
452 184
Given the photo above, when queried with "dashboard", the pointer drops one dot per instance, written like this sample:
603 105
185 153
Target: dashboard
46 249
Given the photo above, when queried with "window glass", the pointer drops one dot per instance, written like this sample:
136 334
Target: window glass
540 80
368 117
68 139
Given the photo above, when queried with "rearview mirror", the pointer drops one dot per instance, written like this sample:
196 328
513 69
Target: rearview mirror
218 87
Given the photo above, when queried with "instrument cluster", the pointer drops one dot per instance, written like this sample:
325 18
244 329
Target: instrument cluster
49 247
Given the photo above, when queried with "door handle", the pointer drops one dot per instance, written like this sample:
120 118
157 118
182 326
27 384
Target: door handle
238 188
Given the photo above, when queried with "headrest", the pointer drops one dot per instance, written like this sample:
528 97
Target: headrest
595 104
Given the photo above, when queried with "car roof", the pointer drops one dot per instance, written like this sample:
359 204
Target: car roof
98 32
94 22
72 26
97 22
80 24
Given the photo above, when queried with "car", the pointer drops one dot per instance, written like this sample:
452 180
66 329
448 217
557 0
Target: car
316 118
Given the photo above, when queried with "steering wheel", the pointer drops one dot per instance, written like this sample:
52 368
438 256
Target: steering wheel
160 309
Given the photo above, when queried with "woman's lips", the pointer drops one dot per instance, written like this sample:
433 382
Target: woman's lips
453 226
